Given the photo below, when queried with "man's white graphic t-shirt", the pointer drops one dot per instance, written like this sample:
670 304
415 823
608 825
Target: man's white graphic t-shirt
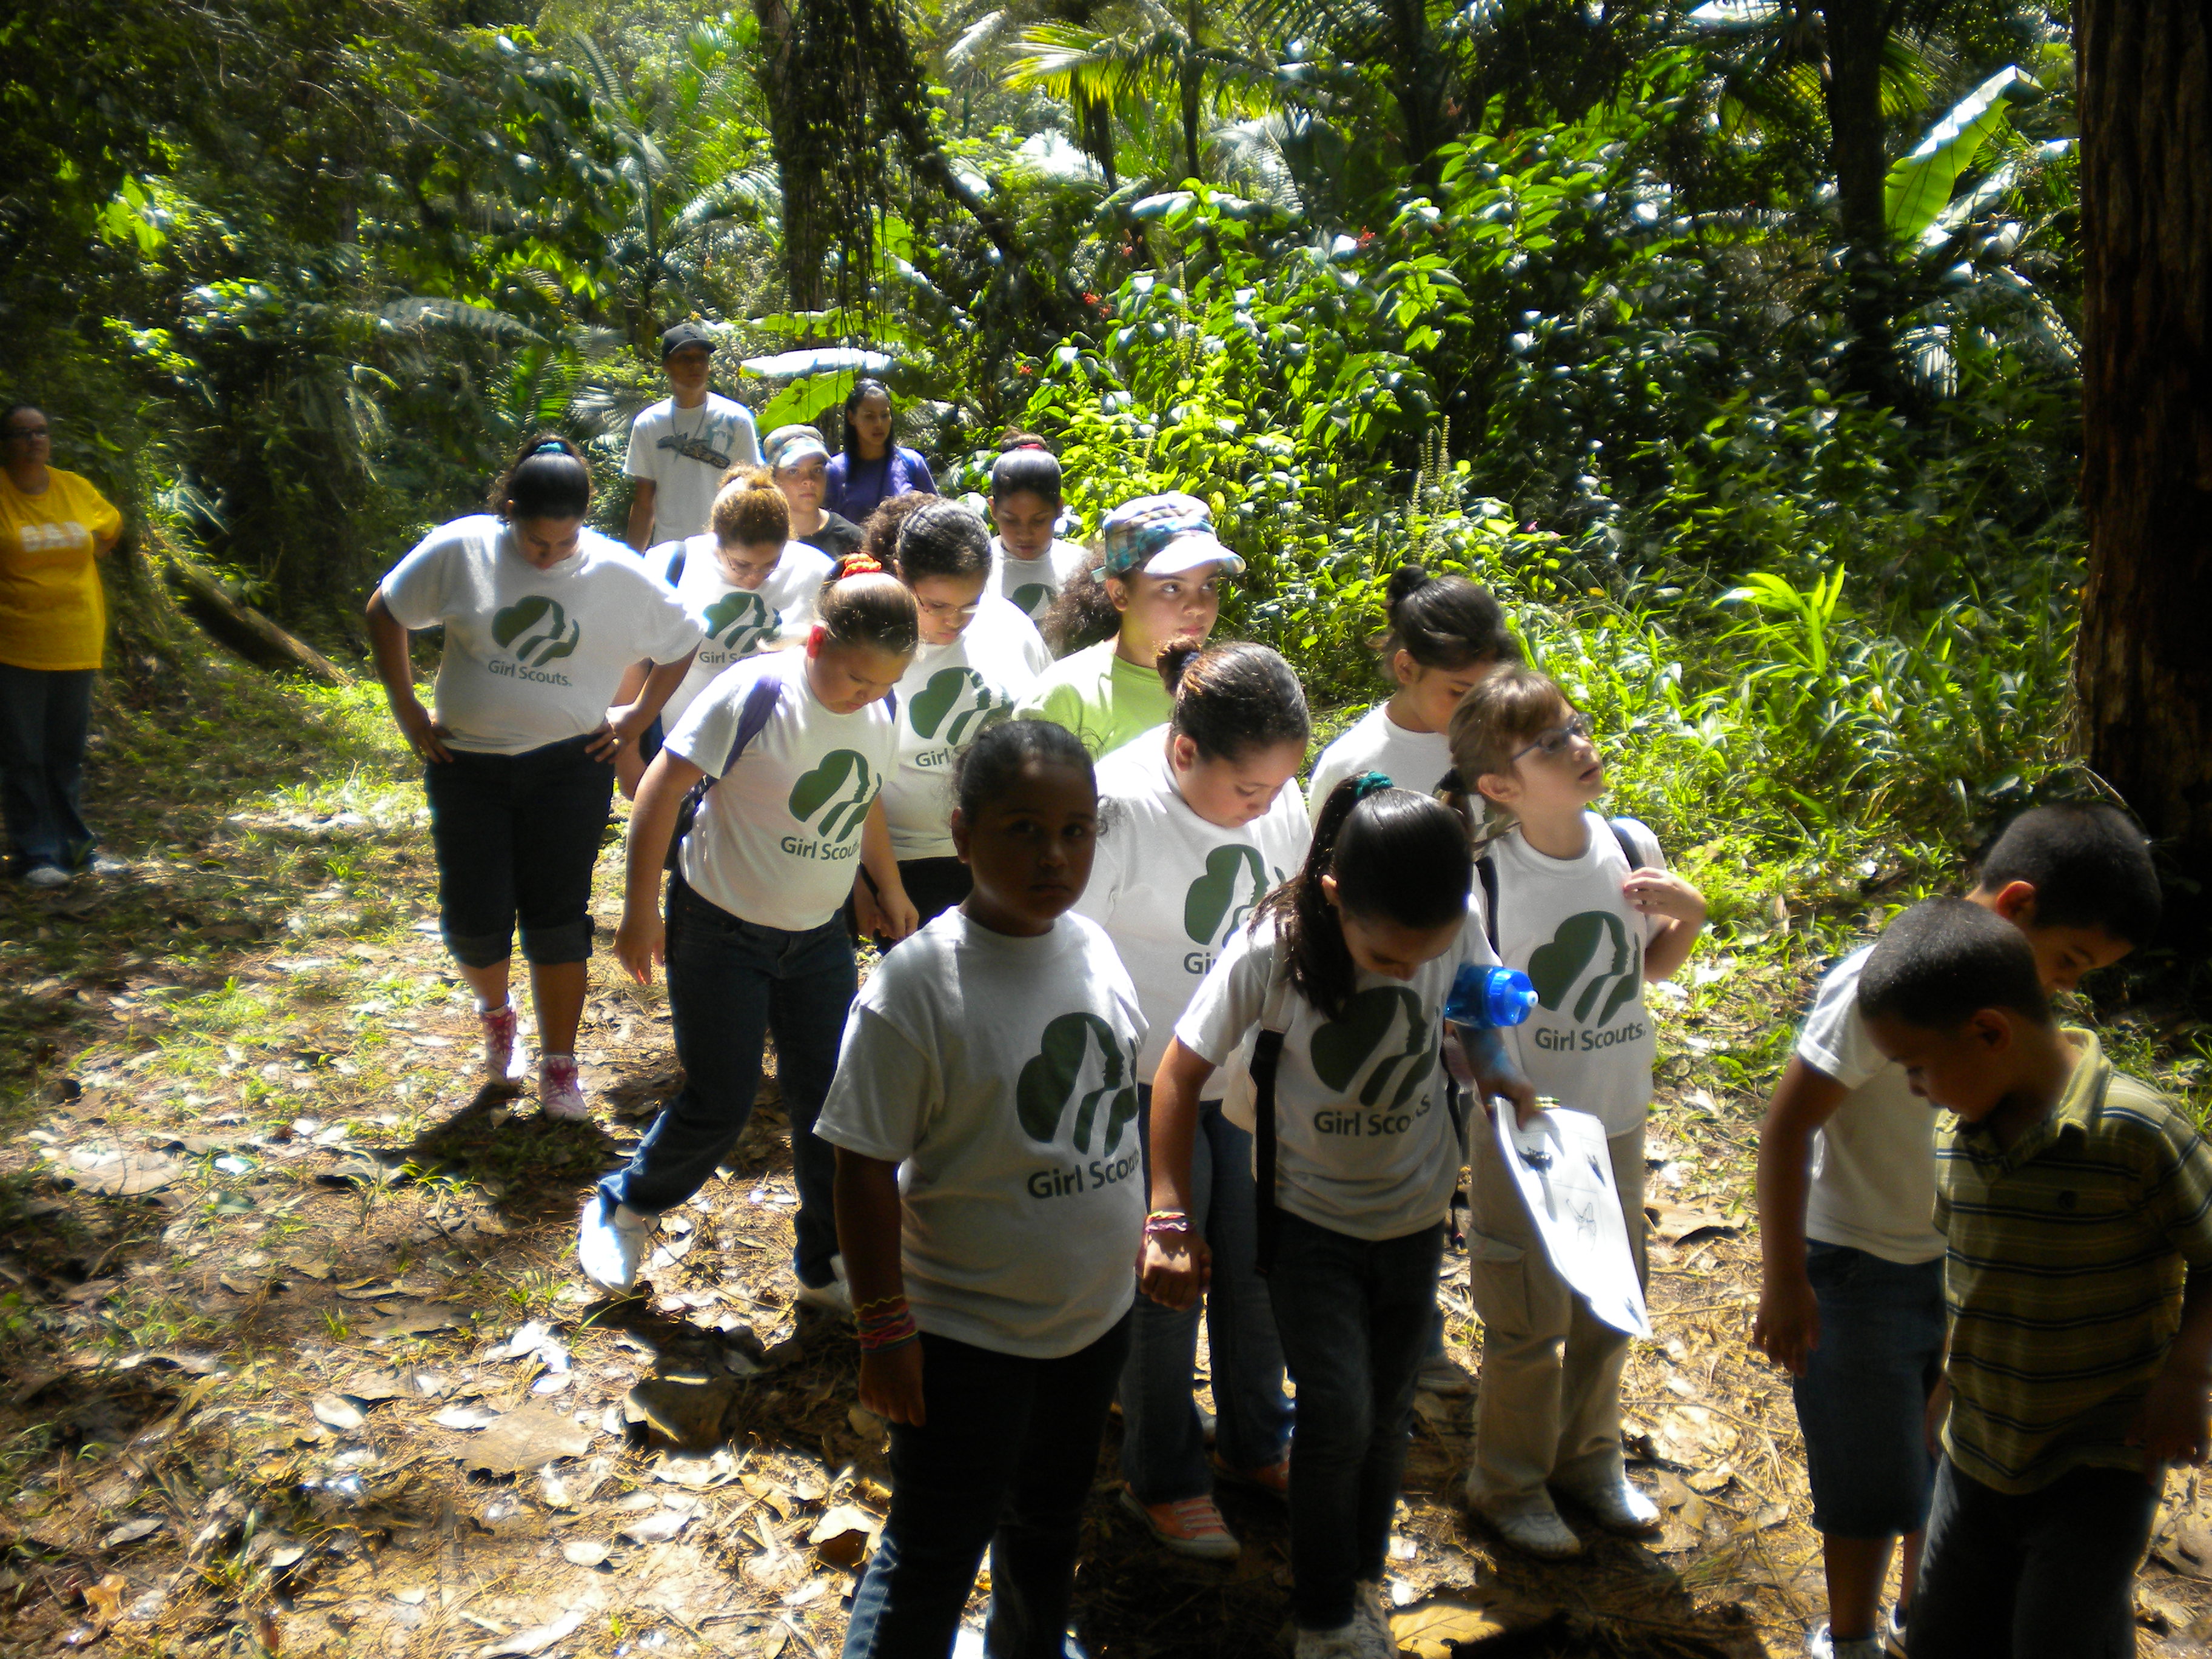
778 839
1000 1074
1029 585
685 452
1172 891
740 622
1567 925
1365 1141
1874 1160
1413 760
949 694
531 656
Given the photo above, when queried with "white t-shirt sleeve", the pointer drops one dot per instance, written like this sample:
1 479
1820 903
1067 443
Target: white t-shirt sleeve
1834 1041
668 630
709 726
885 1093
1227 1004
638 463
417 591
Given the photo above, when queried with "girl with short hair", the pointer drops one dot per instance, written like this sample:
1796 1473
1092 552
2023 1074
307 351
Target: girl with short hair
1030 563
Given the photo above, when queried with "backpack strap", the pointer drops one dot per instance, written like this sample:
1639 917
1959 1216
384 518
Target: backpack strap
1266 1057
1486 872
673 568
752 719
1620 828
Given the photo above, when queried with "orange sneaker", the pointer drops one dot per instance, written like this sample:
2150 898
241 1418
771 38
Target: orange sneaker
1189 1526
1272 1479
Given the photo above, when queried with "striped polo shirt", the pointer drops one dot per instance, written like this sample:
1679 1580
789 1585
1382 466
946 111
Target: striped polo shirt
2067 1253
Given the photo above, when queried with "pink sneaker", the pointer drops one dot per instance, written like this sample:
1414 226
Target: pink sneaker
498 1025
560 1092
1272 1479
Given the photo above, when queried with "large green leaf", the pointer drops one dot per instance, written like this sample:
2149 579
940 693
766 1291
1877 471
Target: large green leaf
1921 184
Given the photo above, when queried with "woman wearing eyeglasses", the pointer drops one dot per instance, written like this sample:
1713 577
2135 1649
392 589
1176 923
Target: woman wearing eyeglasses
54 525
979 655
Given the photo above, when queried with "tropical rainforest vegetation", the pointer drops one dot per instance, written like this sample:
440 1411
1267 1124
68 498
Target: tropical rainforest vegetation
1736 342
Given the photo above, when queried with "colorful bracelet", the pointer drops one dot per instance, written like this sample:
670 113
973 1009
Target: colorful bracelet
1167 1224
881 1304
886 1322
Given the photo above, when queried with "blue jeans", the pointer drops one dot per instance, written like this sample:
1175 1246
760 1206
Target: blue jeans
2049 1574
1863 1401
45 716
1354 1315
516 837
1005 1460
1162 1441
729 984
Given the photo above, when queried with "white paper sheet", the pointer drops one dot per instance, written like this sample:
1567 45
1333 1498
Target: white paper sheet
1565 1178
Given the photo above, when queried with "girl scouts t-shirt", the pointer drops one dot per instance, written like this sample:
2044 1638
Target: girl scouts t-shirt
740 622
531 656
776 841
1172 891
1103 699
1412 760
1029 585
52 614
1000 1074
1365 1143
948 696
1566 923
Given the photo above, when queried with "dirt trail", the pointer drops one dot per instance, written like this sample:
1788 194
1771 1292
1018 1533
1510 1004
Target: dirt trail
296 1358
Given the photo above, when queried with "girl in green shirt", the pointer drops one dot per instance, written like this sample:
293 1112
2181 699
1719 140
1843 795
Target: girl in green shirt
1158 581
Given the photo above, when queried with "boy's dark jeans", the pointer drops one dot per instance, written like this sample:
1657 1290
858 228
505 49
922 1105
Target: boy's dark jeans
1005 1459
2049 1574
1354 1316
46 720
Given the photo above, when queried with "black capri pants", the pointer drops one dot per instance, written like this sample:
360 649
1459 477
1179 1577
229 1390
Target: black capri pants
516 838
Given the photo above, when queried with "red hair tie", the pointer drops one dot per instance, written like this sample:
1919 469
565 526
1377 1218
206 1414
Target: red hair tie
859 564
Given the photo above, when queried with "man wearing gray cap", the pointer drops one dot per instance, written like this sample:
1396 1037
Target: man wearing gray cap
680 447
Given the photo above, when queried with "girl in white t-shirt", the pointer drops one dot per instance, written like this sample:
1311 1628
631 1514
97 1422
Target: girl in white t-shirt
1445 634
542 616
749 587
1343 976
990 1199
1202 820
978 657
792 750
1588 924
1030 563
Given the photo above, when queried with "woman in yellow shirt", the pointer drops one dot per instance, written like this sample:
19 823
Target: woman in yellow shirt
53 624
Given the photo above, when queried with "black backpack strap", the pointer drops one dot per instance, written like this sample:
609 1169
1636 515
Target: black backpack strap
676 563
1488 874
1620 828
1266 1054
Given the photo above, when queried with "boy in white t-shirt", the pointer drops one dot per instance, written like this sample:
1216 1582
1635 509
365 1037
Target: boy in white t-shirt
1851 1292
680 447
1588 924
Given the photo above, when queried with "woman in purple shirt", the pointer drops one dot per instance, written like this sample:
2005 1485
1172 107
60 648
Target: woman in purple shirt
873 468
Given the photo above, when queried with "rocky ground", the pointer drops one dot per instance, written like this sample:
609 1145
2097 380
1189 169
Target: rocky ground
296 1357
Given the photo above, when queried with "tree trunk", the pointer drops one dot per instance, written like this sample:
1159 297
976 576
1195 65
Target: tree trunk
2143 662
1857 32
245 629
800 176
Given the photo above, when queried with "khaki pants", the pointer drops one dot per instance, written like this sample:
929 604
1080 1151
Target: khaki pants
1549 1402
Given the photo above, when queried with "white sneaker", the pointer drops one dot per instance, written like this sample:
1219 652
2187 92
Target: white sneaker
560 1091
1371 1609
612 1241
1614 1503
1823 1644
498 1027
45 876
1353 1640
835 1297
1539 1533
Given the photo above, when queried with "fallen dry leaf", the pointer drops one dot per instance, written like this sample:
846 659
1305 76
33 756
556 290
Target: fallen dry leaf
583 1553
526 1439
688 1413
117 1173
841 1537
527 1644
105 1599
1431 1629
656 1529
337 1411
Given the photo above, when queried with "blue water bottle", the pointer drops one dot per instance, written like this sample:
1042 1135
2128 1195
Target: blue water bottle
1486 998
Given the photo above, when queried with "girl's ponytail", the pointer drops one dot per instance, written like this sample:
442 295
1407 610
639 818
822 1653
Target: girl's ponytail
748 509
863 603
1396 856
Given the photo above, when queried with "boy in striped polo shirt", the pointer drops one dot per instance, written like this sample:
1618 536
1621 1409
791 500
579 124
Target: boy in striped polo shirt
2077 1206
